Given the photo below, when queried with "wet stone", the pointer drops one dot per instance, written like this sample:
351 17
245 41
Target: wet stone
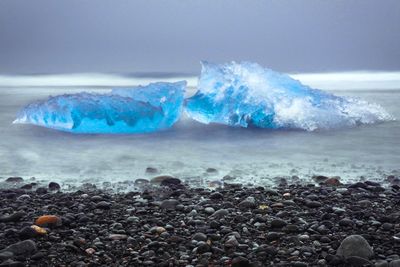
24 248
103 205
199 237
355 245
169 204
14 180
53 186
248 203
278 223
14 217
220 213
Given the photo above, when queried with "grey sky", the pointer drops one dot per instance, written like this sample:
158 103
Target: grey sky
158 35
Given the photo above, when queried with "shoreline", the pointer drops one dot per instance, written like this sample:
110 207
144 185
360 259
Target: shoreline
175 225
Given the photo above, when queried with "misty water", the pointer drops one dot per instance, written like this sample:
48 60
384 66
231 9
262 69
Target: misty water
250 156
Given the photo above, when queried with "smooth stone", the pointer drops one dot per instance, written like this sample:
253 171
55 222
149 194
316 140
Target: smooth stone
209 210
333 181
278 223
27 232
319 178
49 221
346 222
387 226
304 237
325 239
118 237
159 179
16 216
53 186
271 236
278 205
171 182
41 190
313 204
394 263
216 196
291 228
199 237
23 248
27 186
220 213
23 197
364 203
11 263
371 183
39 255
231 242
355 245
14 179
103 205
359 185
299 264
96 198
338 211
248 203
203 247
241 261
133 219
169 204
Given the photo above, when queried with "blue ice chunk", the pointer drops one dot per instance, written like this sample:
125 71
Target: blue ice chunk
140 109
246 94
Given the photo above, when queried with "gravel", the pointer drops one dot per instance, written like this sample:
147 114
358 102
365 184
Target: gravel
174 225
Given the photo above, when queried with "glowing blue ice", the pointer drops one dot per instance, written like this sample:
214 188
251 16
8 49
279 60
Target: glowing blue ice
140 109
246 94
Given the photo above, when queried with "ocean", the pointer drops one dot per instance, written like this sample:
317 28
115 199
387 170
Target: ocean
247 156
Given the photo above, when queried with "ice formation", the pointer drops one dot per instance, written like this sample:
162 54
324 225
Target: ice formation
246 94
140 109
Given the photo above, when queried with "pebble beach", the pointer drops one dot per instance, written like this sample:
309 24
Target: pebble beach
168 223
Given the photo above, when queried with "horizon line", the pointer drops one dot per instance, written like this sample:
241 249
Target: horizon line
339 80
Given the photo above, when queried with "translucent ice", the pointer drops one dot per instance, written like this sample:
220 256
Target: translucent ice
246 94
140 109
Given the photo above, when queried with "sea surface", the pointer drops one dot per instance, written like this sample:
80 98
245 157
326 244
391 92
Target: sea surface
248 156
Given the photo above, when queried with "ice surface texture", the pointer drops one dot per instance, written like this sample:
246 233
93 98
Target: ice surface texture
246 94
140 109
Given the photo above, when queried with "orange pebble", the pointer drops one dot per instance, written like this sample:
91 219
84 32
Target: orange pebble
48 220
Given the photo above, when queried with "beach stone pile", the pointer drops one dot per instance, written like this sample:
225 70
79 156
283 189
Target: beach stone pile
170 224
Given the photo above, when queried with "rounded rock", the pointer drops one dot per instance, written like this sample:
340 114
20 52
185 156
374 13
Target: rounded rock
169 204
278 223
48 220
53 186
355 245
14 180
199 237
23 248
104 205
394 263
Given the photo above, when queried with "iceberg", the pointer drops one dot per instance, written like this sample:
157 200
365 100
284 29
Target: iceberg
140 109
248 95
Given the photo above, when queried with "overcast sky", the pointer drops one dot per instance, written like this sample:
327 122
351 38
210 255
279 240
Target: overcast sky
44 36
